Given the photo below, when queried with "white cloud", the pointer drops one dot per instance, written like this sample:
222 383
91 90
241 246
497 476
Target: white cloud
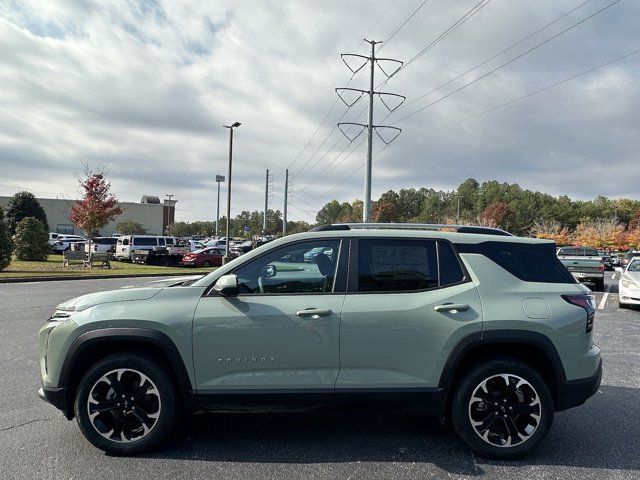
143 87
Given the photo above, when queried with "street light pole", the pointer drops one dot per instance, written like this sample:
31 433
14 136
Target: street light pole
169 213
225 259
219 179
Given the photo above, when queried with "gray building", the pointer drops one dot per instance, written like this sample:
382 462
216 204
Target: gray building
151 212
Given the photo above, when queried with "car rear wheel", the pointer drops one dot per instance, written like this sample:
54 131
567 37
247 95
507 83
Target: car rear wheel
502 408
125 404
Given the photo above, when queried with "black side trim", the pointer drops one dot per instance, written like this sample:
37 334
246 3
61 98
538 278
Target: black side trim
575 392
423 400
121 336
56 397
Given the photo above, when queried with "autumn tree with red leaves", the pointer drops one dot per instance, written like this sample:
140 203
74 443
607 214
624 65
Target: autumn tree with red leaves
98 205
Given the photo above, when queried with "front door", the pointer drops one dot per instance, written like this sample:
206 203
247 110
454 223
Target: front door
281 332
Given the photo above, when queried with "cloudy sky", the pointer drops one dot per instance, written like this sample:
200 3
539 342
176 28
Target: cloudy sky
142 88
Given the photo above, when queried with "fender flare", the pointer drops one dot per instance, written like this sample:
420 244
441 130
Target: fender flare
501 336
144 335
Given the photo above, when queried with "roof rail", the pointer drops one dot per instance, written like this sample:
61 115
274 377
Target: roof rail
411 226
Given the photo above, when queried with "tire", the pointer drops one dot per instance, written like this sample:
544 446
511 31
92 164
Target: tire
599 284
206 264
123 432
623 305
497 441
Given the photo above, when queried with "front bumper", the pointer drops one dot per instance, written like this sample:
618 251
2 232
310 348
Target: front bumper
575 392
59 398
630 296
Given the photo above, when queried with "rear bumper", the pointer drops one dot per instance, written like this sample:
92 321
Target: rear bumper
575 392
58 398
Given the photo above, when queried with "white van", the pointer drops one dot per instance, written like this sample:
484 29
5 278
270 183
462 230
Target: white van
127 243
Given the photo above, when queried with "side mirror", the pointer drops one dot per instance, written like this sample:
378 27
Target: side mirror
227 285
619 269
271 271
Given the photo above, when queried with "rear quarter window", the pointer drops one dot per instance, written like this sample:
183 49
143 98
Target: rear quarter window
528 262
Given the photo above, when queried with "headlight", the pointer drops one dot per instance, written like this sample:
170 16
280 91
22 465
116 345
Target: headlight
628 283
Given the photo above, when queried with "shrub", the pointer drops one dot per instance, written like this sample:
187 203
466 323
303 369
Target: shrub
31 240
23 205
5 243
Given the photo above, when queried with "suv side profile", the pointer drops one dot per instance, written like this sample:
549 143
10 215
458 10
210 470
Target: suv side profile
486 329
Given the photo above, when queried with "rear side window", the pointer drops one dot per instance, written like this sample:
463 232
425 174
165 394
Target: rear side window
125 241
528 262
450 270
169 241
388 265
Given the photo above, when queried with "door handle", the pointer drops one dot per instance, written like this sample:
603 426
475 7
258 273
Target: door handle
314 312
452 307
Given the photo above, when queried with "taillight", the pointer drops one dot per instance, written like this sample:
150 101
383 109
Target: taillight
586 302
602 267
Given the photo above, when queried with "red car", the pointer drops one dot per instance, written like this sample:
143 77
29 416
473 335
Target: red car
204 257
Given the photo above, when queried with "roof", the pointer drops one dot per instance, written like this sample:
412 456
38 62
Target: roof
150 199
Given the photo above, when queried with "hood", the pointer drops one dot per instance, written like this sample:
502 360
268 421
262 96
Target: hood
92 299
168 282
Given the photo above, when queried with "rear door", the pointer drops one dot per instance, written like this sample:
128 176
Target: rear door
408 303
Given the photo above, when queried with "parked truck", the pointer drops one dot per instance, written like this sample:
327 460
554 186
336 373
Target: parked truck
585 265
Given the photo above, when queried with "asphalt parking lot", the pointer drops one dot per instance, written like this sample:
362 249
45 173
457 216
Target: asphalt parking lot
598 440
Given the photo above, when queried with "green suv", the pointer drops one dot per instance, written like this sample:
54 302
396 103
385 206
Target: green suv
488 330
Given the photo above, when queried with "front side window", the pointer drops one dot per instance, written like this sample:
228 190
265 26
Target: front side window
391 265
125 241
303 267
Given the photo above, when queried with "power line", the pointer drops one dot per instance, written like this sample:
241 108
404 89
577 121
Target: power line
401 26
506 63
535 92
497 107
386 10
475 9
524 39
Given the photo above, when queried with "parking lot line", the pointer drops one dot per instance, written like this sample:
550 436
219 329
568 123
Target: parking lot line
613 277
603 302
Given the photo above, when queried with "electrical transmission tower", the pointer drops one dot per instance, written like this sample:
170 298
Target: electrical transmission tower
392 103
287 192
268 193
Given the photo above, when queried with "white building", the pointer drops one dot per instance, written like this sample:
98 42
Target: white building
150 212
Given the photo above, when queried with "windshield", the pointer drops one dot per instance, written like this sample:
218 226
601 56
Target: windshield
634 266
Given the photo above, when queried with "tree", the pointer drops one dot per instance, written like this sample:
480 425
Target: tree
634 223
384 212
599 233
5 242
22 205
497 214
552 230
98 205
129 227
31 240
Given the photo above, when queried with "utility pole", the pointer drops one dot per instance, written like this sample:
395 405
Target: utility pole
231 127
219 180
267 182
370 127
169 219
458 216
286 198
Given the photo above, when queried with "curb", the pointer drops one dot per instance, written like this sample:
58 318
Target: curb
84 277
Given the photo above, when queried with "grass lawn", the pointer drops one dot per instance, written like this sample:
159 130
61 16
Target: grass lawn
53 266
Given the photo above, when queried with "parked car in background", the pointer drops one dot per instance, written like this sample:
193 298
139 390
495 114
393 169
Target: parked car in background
126 244
205 257
584 263
102 245
52 238
615 259
626 258
66 242
629 284
606 259
216 243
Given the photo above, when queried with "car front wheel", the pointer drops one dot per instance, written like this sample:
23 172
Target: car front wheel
502 408
125 404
